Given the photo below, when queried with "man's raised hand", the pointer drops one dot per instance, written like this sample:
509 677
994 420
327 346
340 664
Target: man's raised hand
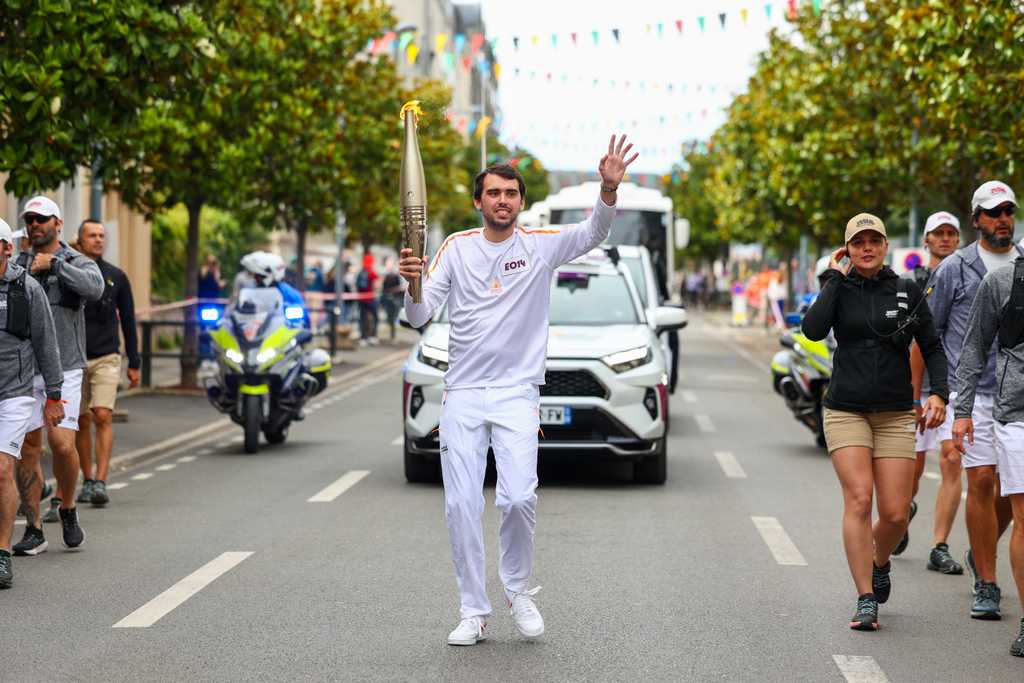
613 164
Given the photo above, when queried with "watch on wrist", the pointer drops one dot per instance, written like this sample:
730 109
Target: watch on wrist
53 396
606 188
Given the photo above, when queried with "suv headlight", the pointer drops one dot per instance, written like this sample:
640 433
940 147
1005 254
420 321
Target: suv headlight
434 357
627 360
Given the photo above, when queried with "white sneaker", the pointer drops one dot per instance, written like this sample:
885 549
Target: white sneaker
470 631
528 620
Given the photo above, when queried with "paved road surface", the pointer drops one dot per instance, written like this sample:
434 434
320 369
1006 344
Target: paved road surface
214 565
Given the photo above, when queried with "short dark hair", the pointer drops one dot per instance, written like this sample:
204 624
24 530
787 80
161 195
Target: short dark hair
81 226
506 171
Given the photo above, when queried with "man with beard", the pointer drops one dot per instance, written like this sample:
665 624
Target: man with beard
496 281
69 280
956 283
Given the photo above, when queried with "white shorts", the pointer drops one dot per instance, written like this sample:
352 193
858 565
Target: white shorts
15 415
929 441
1010 447
71 394
983 451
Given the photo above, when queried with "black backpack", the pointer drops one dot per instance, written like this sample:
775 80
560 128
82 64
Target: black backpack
68 297
18 322
1011 319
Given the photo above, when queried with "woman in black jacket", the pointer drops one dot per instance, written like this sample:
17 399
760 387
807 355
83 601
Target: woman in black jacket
869 417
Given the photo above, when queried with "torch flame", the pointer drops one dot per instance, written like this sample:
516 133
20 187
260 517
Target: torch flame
414 107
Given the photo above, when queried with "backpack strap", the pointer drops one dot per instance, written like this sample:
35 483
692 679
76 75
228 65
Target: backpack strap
1011 319
18 317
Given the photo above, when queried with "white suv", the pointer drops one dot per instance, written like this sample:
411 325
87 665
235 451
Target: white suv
605 394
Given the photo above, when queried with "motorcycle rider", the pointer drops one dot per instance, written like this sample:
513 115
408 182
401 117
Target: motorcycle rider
941 237
266 269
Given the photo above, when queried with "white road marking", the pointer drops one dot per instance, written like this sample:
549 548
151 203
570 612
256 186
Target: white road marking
963 496
778 541
205 451
933 475
187 458
173 597
142 475
732 468
118 485
705 423
21 522
397 441
731 378
689 397
347 481
165 468
858 669
237 439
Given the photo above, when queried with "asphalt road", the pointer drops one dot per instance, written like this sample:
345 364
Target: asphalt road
714 576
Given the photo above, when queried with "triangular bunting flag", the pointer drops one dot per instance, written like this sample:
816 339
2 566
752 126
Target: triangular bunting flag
700 21
615 32
440 40
679 25
721 19
744 13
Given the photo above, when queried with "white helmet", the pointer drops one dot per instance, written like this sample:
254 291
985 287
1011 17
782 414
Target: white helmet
262 265
276 264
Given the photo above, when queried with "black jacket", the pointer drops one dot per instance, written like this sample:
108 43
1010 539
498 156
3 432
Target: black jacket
101 317
871 373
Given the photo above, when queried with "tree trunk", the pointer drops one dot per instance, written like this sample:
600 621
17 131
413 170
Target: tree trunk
301 228
190 340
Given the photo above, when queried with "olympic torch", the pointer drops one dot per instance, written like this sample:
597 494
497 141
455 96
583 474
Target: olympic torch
414 194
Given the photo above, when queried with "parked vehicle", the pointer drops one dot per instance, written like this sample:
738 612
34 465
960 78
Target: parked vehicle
801 373
262 376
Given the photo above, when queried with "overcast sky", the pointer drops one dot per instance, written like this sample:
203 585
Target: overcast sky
565 118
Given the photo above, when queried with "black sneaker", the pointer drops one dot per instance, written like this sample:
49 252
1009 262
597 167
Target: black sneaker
7 570
100 497
941 561
85 493
986 602
1016 647
905 541
969 563
51 515
32 543
866 617
74 534
881 584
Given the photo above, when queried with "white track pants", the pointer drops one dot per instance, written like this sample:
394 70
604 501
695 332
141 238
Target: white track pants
506 419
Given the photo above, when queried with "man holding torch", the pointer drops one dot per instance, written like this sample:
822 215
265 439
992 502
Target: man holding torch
496 281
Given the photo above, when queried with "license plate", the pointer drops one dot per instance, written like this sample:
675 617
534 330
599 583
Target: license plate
555 415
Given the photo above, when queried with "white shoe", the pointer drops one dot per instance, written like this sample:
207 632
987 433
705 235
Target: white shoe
470 631
528 620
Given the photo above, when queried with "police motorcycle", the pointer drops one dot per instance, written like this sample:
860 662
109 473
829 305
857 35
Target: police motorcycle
261 376
801 372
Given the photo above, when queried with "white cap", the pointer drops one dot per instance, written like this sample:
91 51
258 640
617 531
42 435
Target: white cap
937 220
992 194
6 234
44 206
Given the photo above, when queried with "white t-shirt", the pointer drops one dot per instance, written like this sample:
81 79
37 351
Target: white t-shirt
992 260
498 296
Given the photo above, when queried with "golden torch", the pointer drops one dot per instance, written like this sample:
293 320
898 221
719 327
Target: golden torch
414 194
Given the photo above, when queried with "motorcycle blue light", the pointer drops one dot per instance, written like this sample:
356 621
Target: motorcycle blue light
209 315
294 312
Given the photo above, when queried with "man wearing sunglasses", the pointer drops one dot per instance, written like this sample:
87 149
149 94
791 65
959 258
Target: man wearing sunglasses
69 280
956 284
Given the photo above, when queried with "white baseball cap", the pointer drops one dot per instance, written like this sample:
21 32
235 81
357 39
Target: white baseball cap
44 206
6 234
992 194
940 218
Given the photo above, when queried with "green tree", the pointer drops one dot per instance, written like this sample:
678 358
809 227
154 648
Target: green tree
687 188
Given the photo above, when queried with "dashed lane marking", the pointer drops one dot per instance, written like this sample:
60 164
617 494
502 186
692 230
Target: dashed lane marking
778 542
347 481
858 669
689 397
933 475
205 451
165 468
705 423
142 475
397 441
187 458
21 522
176 595
118 485
732 468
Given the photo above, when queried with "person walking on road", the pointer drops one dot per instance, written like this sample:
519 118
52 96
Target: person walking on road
997 318
391 289
69 280
869 417
956 283
103 368
941 237
496 281
28 344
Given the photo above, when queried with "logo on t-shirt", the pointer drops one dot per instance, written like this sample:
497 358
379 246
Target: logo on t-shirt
514 265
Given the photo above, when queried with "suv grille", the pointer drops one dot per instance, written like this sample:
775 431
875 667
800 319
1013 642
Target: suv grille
572 383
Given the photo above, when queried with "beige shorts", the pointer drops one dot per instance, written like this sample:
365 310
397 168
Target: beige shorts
102 375
889 435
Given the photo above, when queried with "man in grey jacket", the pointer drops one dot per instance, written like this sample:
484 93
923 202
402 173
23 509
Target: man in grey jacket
987 317
956 282
28 342
69 280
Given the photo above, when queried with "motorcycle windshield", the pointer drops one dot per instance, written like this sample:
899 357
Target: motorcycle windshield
258 310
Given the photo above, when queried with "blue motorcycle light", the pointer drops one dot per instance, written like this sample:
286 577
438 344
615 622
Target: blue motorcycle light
209 315
294 313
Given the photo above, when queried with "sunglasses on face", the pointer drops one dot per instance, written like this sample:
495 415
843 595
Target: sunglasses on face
999 211
34 218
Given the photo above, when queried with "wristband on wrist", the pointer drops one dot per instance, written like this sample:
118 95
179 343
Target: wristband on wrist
55 400
606 188
917 401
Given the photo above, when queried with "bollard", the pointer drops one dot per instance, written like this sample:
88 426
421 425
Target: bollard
147 351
